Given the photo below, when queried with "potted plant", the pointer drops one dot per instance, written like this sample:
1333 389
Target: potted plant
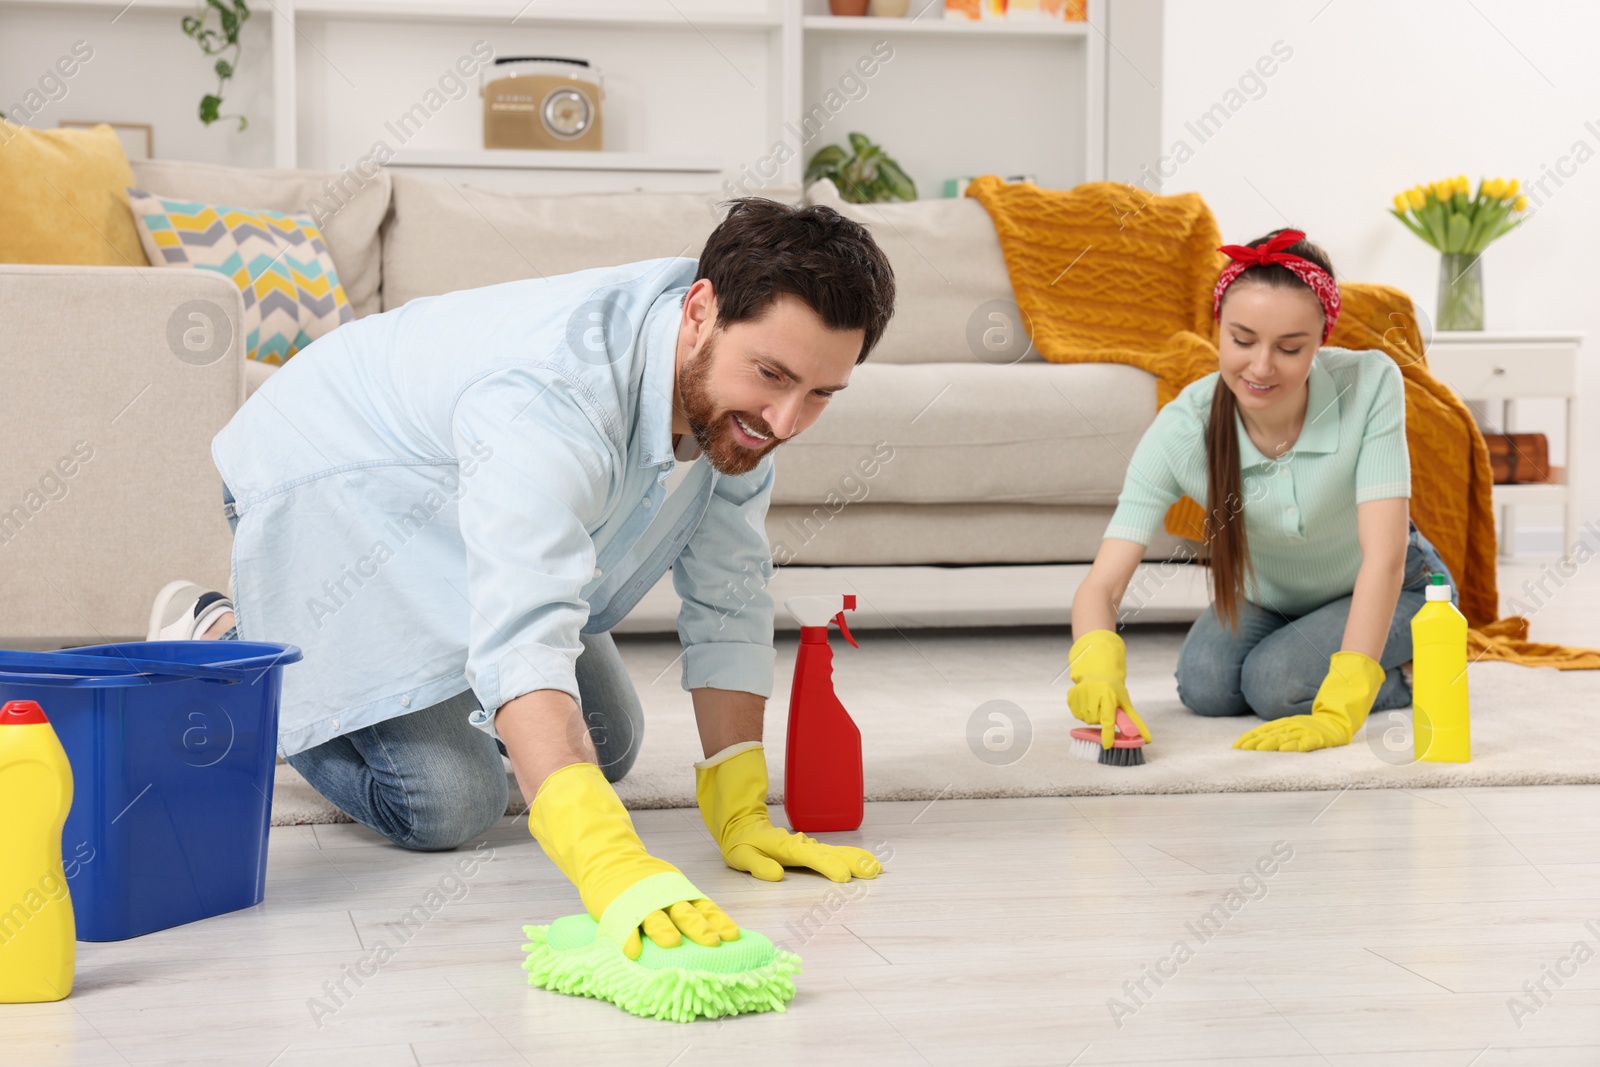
1448 216
864 175
231 16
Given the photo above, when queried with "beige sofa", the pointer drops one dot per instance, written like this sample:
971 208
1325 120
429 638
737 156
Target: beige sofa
955 444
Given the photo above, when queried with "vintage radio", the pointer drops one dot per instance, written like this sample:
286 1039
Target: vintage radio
542 102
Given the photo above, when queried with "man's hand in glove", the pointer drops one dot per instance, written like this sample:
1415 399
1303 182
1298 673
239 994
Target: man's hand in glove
731 787
582 826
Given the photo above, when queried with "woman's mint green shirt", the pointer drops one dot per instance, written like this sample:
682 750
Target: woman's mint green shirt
1300 509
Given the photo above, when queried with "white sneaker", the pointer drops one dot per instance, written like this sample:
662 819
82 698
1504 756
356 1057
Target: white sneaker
183 611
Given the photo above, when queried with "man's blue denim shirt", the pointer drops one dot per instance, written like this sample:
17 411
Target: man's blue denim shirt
444 495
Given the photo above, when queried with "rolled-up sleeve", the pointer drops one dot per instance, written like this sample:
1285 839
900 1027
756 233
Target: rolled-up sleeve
1149 488
721 576
1383 468
538 483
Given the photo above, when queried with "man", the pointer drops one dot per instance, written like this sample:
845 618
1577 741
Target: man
448 506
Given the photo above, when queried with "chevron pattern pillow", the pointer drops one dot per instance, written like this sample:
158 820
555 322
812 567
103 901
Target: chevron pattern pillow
291 289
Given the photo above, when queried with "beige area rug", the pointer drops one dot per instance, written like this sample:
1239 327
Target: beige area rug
925 699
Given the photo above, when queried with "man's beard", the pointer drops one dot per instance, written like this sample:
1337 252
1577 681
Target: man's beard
710 424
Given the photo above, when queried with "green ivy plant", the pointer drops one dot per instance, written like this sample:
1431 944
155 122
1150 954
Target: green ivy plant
224 38
863 176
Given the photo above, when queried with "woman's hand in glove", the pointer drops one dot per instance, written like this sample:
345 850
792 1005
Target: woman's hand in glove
1098 663
1339 710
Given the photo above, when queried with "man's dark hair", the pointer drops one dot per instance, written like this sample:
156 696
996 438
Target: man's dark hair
763 249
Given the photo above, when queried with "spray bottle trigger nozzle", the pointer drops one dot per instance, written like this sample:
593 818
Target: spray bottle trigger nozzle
839 618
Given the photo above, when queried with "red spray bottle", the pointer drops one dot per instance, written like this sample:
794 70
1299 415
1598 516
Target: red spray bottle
822 788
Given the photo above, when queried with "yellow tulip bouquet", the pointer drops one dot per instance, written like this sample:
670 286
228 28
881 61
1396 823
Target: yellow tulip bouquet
1461 225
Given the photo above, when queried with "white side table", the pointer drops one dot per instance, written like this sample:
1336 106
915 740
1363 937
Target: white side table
1506 367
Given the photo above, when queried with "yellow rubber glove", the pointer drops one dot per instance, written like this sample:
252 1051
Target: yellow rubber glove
1098 663
732 790
1339 710
580 822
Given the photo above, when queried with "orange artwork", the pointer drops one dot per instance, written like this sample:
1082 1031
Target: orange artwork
1066 10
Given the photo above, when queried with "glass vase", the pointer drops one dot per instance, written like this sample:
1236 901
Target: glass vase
1460 292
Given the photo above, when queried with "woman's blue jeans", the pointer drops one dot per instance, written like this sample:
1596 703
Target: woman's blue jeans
430 780
1275 663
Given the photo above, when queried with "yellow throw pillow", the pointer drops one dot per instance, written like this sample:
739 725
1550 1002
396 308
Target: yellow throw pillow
65 198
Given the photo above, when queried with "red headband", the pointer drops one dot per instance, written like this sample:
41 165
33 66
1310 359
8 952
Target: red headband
1244 257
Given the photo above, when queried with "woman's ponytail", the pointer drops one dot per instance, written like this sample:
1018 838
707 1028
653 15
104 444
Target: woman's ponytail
1224 528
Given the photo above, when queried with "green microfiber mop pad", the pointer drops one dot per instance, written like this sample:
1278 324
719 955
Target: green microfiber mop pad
681 984
575 955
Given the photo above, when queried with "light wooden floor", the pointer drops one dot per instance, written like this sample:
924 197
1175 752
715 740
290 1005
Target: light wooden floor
1398 931
1401 930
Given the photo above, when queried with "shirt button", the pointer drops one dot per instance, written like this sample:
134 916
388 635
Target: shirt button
646 504
1289 511
597 572
335 724
405 702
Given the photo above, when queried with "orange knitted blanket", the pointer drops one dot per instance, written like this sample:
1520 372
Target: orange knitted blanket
1107 273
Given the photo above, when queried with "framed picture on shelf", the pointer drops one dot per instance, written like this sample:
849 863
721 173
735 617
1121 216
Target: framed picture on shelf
138 139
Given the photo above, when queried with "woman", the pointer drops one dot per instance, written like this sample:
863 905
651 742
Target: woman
1300 455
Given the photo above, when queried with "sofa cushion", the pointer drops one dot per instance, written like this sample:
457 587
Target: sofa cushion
348 209
953 299
62 198
444 237
888 535
1034 433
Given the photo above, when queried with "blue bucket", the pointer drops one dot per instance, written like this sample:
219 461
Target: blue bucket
172 746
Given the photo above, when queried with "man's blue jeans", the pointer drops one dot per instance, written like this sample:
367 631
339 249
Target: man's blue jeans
431 780
1275 663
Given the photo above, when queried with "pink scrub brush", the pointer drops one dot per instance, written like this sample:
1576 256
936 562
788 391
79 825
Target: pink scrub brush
1127 750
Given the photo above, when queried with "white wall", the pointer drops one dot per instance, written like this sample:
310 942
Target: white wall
1134 72
1378 96
142 70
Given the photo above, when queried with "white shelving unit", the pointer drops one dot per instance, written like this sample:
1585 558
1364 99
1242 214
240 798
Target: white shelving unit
1024 96
1507 367
1059 135
513 12
472 158
699 93
935 25
111 6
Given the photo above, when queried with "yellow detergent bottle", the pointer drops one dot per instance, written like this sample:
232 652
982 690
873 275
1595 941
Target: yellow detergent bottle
1439 716
38 946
